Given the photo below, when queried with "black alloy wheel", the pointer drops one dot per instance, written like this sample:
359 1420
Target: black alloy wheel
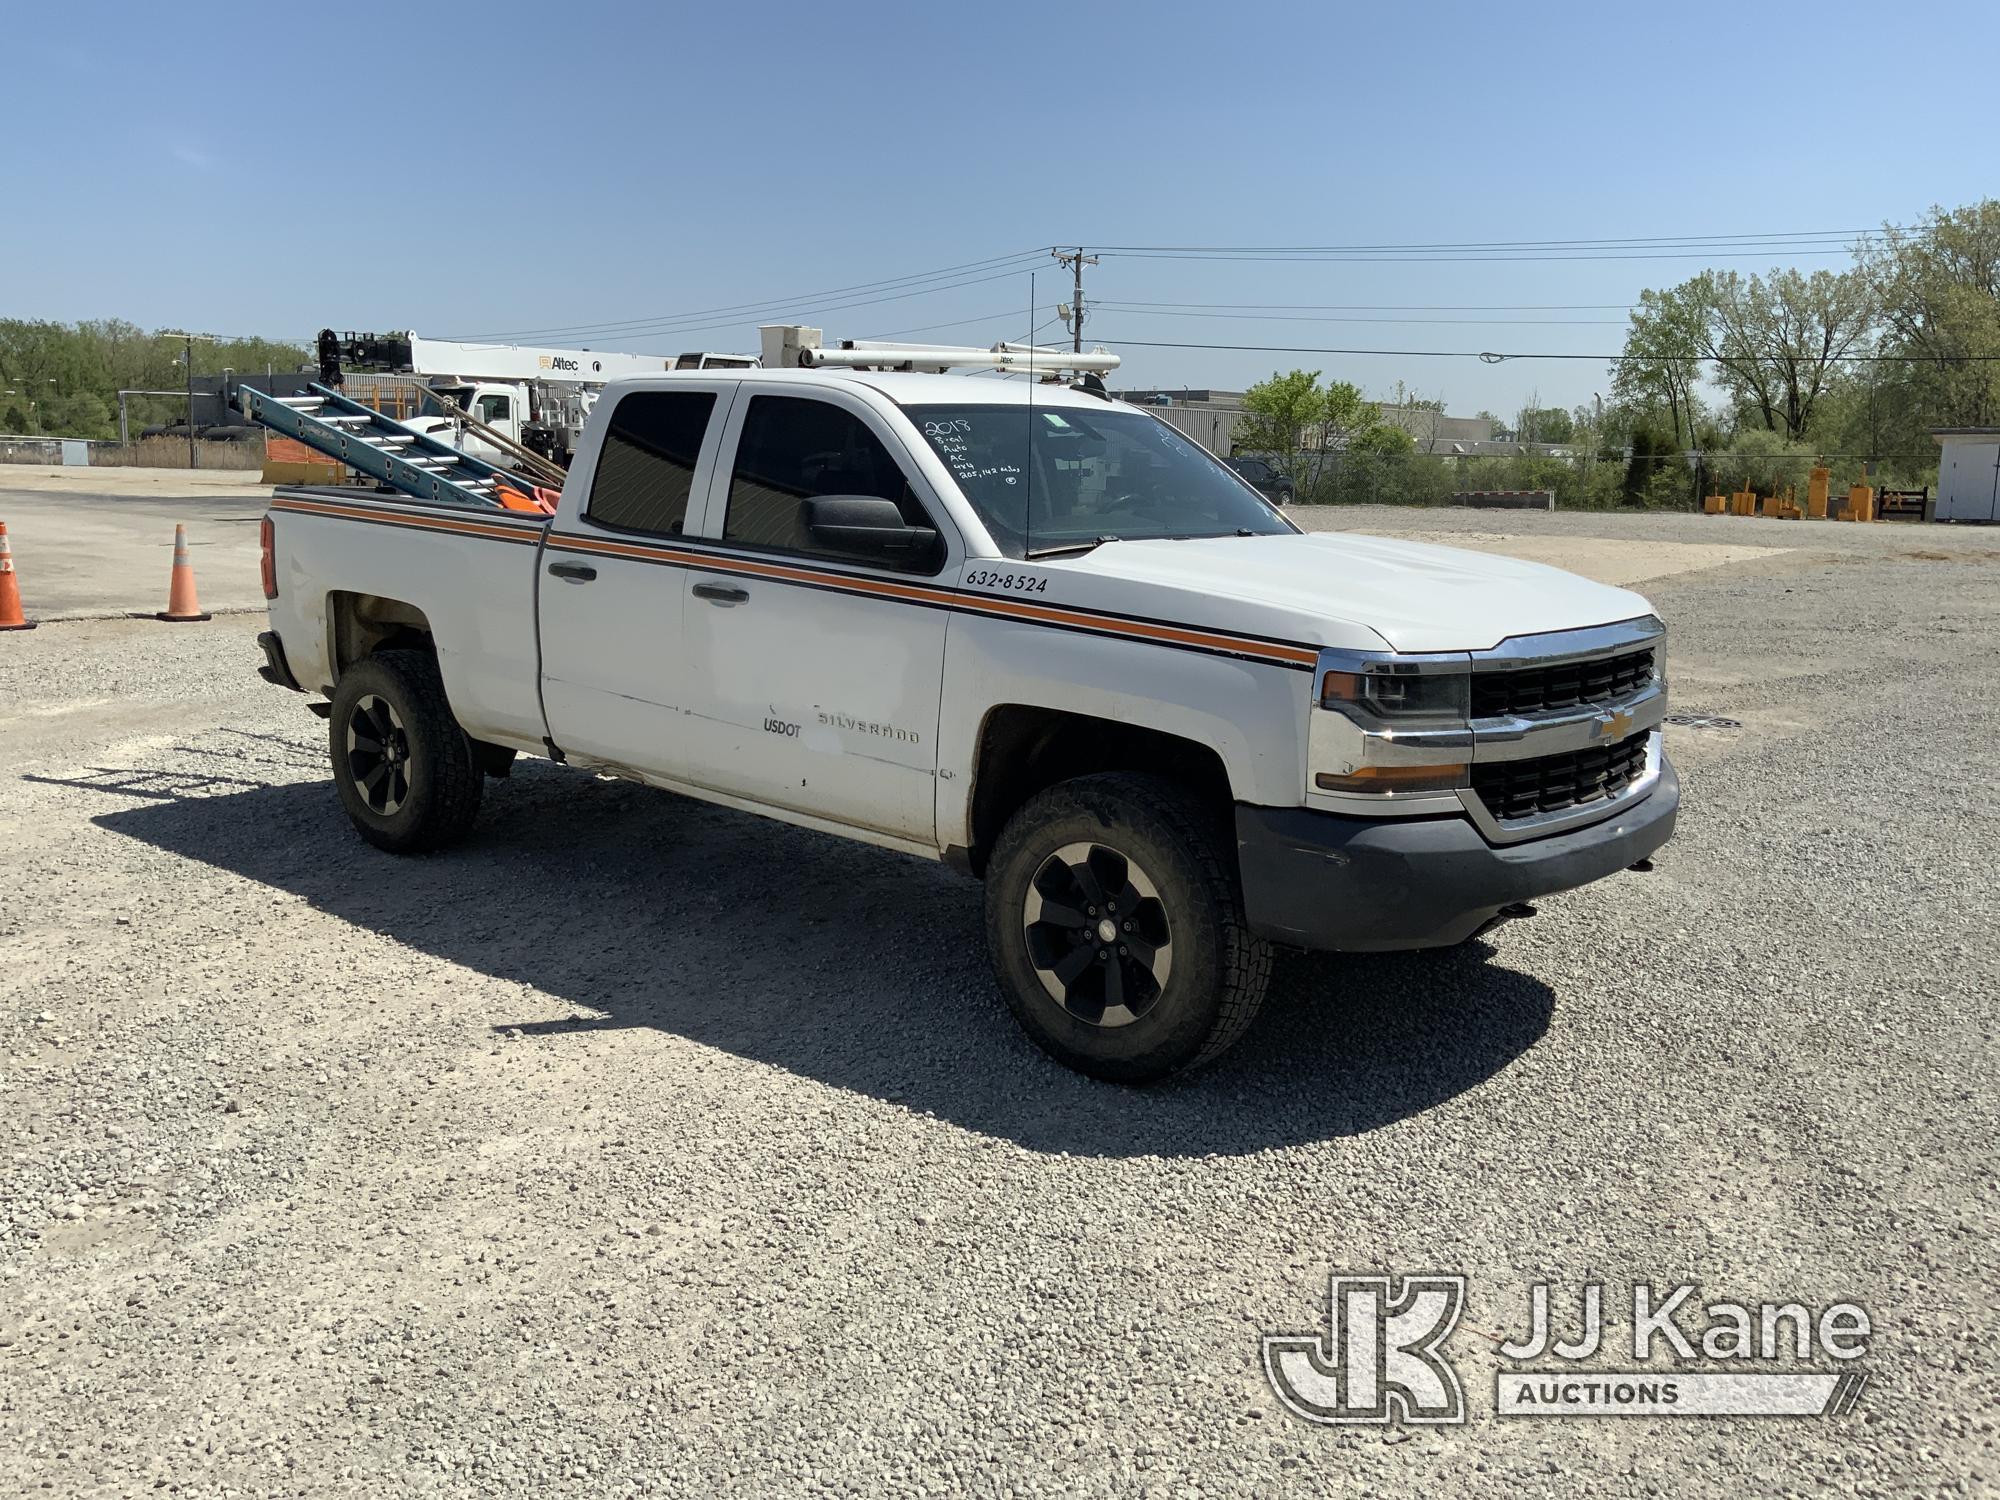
378 755
407 774
1098 934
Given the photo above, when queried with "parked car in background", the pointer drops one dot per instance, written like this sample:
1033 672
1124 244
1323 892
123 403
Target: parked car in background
1264 479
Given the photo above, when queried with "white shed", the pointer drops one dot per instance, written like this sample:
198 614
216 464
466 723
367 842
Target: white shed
1968 473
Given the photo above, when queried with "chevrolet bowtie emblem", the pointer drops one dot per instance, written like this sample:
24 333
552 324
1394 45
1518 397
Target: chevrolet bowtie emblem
1613 725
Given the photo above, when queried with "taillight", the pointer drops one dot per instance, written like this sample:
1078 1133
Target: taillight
269 561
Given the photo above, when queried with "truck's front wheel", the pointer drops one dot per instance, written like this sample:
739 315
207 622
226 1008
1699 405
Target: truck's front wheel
406 772
1115 920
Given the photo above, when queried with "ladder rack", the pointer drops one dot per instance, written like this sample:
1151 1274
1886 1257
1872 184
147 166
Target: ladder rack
789 345
411 463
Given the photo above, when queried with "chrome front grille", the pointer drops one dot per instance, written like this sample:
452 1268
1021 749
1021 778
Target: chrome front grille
1559 686
1517 789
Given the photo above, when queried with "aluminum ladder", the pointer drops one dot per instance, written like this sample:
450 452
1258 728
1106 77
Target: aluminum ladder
359 436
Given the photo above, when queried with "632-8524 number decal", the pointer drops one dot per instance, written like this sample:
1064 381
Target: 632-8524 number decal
1020 583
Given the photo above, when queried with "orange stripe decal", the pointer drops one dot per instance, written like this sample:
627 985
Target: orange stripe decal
1304 656
414 519
970 602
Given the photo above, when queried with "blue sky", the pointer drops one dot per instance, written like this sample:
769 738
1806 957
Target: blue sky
273 170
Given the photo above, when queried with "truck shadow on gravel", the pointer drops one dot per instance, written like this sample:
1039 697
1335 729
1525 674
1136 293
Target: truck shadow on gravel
859 968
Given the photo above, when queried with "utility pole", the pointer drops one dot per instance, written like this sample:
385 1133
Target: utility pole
188 340
1076 260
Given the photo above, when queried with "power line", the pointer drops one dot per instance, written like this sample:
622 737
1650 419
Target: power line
1493 357
796 308
1391 306
1816 241
952 278
1493 260
1021 257
778 311
1655 242
1643 239
1008 312
1318 318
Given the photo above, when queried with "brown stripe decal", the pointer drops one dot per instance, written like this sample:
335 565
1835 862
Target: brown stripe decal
529 531
1172 635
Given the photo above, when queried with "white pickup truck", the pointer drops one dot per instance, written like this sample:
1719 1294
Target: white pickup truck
1025 629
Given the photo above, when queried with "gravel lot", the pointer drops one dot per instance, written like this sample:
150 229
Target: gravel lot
645 1147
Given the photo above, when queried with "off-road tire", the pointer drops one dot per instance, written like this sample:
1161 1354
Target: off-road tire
1220 969
441 768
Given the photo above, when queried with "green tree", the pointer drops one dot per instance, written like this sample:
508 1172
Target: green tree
1778 341
1301 424
1651 451
1382 440
1546 424
1761 460
1422 417
1662 361
1938 287
72 373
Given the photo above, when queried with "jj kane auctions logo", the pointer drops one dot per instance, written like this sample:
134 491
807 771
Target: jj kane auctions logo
1383 1359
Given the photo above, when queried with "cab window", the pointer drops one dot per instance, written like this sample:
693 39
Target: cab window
794 449
645 472
495 409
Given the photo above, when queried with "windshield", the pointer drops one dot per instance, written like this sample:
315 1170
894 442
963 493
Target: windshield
1048 477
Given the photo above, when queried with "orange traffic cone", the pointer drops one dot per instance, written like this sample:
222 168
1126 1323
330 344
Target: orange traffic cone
11 617
182 603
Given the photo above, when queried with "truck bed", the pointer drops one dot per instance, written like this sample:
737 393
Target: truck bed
473 568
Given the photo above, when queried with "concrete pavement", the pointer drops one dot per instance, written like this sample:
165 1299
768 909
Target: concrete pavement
95 542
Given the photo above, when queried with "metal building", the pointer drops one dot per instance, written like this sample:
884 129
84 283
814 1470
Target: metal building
1968 473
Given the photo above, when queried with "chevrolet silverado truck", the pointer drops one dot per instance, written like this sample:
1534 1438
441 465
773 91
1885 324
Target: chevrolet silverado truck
1024 629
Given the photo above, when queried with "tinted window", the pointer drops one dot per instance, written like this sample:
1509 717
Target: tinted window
494 409
1043 477
794 448
646 471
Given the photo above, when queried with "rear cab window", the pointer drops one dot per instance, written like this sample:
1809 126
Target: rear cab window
646 469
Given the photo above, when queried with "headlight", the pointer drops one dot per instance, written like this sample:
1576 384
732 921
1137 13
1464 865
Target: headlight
1400 692
1404 727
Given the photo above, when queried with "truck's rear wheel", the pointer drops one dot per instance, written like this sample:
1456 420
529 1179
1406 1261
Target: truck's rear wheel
1115 920
407 775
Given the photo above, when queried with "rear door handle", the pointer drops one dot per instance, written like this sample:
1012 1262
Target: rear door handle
721 593
574 572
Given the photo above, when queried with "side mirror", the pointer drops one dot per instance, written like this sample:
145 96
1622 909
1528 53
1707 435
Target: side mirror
868 527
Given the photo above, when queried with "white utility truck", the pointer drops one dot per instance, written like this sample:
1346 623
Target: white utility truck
1019 627
537 398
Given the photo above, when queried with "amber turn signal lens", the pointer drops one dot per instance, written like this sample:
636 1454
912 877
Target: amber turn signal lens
1340 687
1384 779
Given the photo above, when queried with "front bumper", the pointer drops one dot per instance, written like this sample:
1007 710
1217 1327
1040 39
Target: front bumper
1327 881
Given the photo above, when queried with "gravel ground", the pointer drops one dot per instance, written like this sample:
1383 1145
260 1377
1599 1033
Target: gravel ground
644 1147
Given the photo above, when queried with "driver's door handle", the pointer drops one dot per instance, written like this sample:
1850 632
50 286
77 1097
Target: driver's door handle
721 593
574 572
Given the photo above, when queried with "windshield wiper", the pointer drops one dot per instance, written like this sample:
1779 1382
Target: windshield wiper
1079 548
